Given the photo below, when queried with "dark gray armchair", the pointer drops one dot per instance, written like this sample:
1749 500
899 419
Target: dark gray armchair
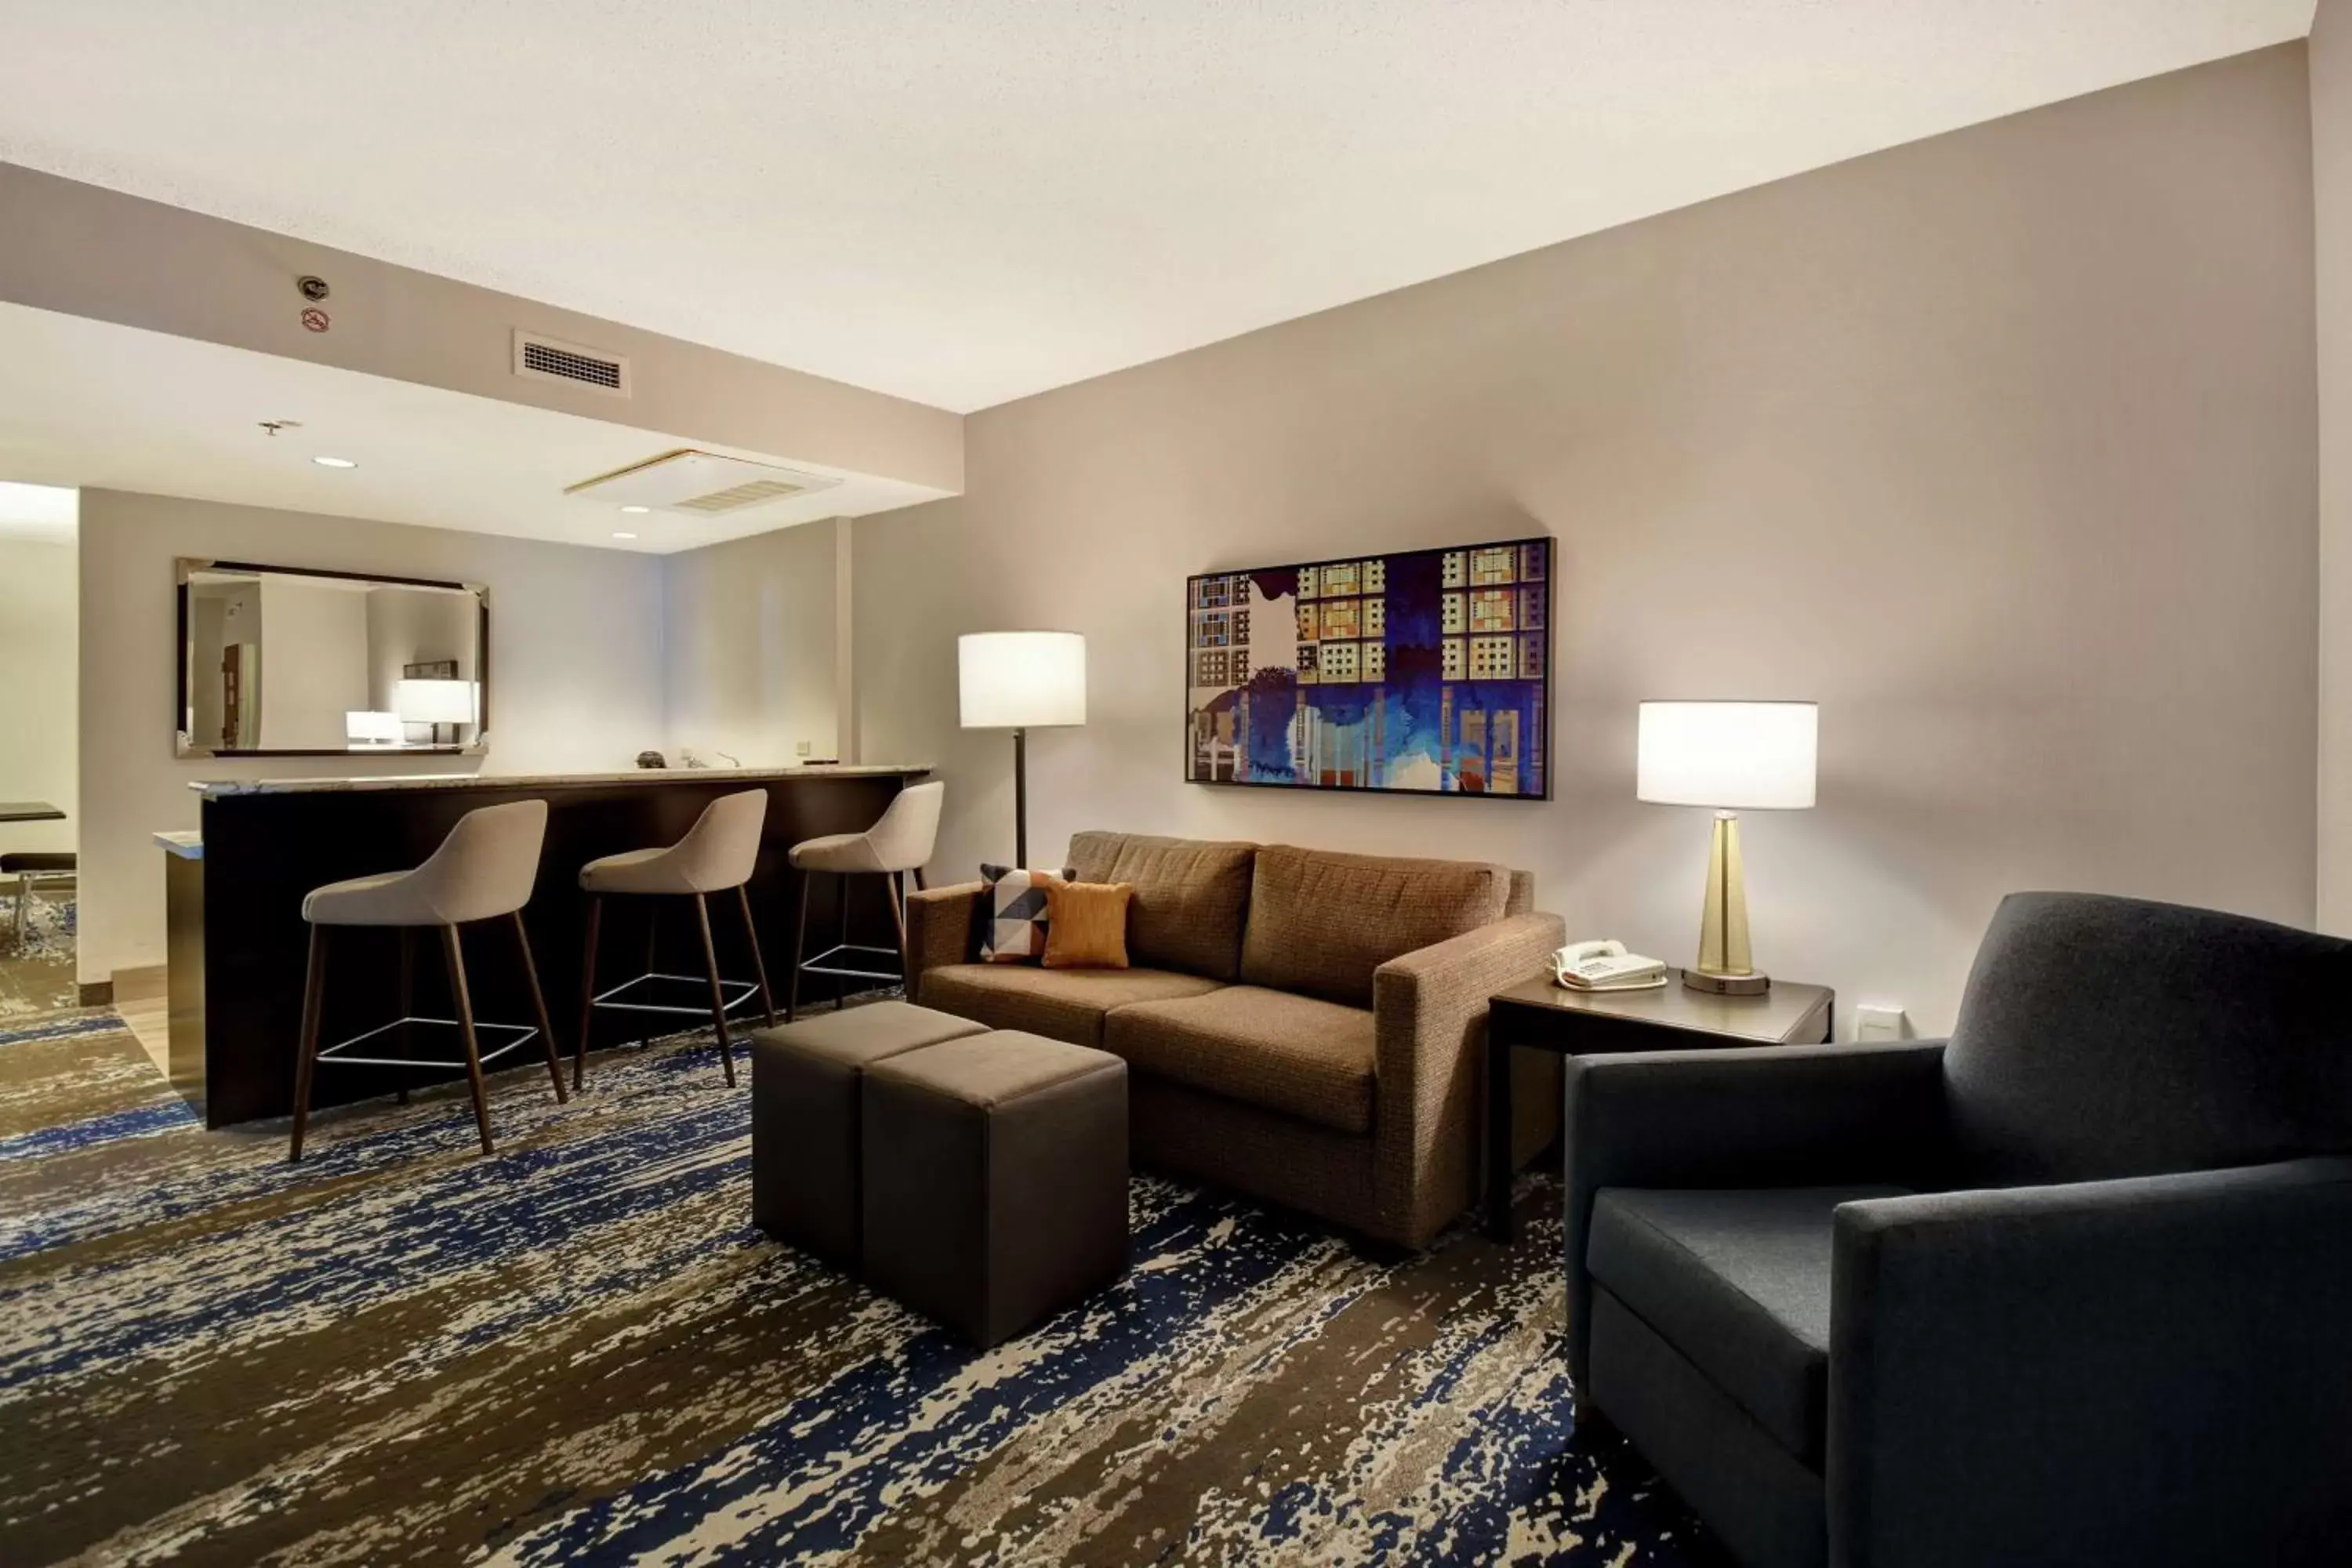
2075 1286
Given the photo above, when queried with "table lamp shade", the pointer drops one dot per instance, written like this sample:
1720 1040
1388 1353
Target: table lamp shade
435 701
1022 680
1735 755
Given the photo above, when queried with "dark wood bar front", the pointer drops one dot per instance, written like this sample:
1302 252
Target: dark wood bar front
237 941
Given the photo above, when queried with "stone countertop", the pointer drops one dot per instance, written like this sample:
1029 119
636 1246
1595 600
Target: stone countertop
213 789
186 846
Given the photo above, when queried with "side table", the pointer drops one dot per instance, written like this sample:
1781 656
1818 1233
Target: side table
1539 1015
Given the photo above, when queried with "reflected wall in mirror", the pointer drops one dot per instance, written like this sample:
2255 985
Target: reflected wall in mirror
275 659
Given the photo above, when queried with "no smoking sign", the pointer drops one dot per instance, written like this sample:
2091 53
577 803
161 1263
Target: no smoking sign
314 319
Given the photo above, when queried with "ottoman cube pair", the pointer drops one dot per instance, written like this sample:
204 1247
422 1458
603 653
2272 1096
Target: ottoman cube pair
978 1175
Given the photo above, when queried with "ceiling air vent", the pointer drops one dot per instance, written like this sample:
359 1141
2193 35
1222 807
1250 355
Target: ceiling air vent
551 359
702 484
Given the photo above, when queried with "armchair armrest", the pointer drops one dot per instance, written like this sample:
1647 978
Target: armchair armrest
1429 1013
942 928
2149 1370
1767 1115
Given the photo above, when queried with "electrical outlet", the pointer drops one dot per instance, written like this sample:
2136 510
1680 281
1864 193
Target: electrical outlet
1880 1021
801 750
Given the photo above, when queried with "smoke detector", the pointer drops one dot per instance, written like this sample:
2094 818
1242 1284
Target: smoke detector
702 484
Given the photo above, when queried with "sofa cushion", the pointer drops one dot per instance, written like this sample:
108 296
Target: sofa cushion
1272 1048
1189 897
1739 1283
1060 1003
1320 922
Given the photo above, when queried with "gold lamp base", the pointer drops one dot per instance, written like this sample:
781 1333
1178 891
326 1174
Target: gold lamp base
1725 966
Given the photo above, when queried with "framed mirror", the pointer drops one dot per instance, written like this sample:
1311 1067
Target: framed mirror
280 661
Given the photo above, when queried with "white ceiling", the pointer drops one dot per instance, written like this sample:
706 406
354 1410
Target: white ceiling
966 203
88 403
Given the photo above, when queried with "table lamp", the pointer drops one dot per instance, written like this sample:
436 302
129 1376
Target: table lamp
1728 755
1022 681
436 702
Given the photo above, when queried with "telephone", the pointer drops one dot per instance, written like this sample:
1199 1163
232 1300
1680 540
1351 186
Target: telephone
1605 966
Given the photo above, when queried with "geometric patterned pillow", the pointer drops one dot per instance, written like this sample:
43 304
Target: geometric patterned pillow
1015 900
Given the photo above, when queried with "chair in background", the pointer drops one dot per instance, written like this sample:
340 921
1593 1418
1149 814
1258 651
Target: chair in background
483 870
2072 1287
899 843
718 855
29 866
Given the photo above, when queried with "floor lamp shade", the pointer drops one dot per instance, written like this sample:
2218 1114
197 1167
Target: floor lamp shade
1729 755
1020 682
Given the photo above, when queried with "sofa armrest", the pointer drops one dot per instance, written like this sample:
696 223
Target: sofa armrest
1767 1115
942 928
2149 1370
1429 1014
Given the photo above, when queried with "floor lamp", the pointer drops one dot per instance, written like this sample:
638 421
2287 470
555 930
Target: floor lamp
1022 681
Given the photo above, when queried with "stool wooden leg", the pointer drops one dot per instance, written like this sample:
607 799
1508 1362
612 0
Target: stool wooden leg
306 1054
408 1005
759 965
799 951
841 959
455 955
718 997
898 918
538 1007
587 993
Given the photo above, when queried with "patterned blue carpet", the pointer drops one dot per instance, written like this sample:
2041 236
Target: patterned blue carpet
579 1351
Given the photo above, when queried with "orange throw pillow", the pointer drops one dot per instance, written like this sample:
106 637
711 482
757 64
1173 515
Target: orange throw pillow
1086 924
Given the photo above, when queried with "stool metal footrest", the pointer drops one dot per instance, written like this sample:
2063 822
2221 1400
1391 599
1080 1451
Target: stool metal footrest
523 1035
744 991
818 965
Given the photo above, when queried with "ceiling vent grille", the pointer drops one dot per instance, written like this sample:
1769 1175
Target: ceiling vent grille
741 496
552 359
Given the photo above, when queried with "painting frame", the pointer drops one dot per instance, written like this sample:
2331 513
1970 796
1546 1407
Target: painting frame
1406 714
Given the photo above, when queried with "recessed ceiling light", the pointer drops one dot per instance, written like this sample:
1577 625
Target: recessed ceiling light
625 536
636 510
334 462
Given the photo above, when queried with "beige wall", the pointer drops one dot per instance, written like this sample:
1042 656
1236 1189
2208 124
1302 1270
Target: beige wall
38 749
748 644
575 670
2001 446
87 251
2331 170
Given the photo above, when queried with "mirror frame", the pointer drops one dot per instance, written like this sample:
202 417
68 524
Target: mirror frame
183 710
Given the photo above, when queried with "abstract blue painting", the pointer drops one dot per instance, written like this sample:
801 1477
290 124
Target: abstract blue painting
1427 672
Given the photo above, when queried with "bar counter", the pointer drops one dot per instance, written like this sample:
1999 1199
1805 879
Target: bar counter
236 943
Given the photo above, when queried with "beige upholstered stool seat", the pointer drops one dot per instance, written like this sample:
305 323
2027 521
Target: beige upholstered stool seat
485 869
851 854
718 855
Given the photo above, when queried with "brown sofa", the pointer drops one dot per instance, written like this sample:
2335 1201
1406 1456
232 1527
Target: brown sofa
1302 1025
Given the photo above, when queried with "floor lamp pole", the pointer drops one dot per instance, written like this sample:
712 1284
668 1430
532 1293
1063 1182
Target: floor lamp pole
1021 799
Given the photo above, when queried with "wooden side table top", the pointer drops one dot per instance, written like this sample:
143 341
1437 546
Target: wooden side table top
1789 1013
1540 1015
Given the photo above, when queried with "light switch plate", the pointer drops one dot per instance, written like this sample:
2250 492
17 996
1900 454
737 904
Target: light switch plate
1880 1021
802 748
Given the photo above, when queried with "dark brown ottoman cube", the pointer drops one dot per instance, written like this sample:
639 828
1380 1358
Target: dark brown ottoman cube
995 1179
805 1117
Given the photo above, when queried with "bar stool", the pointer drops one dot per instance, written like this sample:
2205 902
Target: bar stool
717 854
899 843
483 870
